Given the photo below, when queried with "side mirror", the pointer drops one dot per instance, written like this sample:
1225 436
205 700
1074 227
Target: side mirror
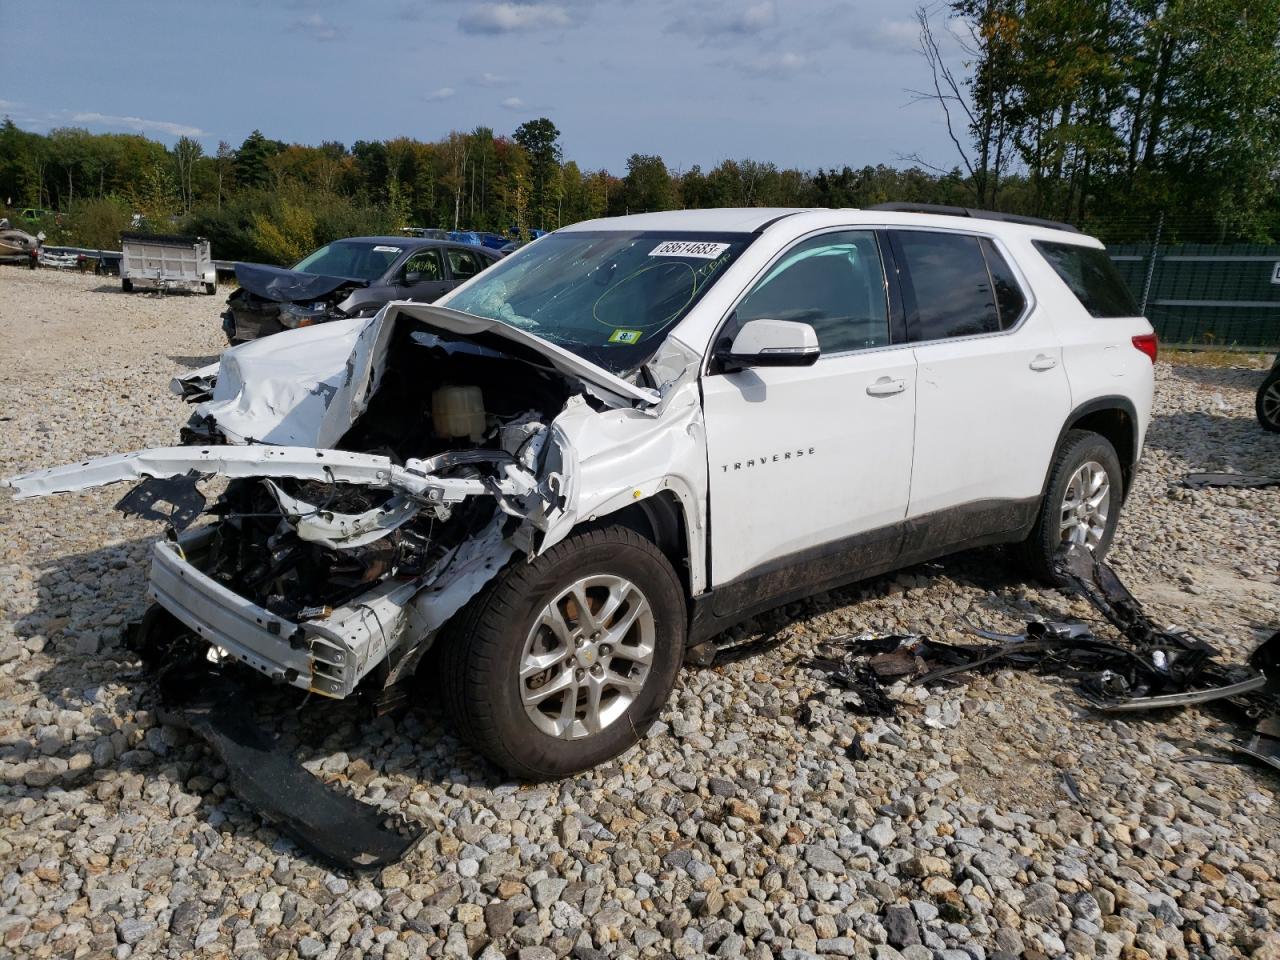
772 343
413 276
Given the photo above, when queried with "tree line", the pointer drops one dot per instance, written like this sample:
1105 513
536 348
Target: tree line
1097 111
1113 114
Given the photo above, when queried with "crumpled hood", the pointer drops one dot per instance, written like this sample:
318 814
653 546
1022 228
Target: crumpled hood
286 286
305 387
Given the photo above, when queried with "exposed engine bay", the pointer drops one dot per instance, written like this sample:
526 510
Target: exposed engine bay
297 547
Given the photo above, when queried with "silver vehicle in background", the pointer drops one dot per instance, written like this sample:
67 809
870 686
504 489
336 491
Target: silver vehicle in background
166 263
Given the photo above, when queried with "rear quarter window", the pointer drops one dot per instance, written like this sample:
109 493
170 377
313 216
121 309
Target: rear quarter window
1091 276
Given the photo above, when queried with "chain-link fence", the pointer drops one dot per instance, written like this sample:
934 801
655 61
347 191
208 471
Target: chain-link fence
1196 290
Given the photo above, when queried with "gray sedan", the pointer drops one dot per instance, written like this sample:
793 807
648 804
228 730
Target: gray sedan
354 277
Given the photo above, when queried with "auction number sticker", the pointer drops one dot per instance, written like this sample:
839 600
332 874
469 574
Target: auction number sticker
625 336
702 249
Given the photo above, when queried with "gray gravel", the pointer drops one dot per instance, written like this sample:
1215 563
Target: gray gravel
732 830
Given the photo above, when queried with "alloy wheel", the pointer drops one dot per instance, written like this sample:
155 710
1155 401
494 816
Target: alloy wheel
1086 505
587 656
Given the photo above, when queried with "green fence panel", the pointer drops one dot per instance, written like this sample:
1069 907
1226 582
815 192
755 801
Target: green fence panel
1225 295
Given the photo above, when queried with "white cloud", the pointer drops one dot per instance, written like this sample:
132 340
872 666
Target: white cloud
6 104
444 93
139 124
491 80
514 18
316 27
902 35
743 20
786 63
513 103
754 18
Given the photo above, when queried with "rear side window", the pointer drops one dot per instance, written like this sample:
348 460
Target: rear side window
1010 300
464 263
1091 276
950 292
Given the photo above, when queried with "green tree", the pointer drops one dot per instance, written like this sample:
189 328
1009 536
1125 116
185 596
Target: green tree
648 184
541 140
251 160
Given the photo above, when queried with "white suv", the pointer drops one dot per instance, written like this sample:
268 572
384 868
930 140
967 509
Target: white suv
599 453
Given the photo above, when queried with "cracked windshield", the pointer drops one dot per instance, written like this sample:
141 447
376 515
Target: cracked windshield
608 296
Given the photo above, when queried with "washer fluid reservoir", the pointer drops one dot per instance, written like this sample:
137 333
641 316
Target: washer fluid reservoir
458 412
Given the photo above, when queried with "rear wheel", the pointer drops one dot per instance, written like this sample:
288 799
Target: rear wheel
210 288
126 285
563 662
1081 504
1268 403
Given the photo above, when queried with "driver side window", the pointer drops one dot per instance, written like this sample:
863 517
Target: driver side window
833 282
424 267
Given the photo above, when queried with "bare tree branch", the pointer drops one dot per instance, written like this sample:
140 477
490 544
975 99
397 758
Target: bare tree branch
946 89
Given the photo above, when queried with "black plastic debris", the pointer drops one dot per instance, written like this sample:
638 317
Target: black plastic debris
1146 668
1198 481
210 701
183 497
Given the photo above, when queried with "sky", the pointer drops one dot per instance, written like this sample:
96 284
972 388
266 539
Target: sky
803 83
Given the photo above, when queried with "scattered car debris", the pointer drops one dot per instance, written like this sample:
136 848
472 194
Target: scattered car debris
1150 668
61 261
1072 788
199 694
1243 481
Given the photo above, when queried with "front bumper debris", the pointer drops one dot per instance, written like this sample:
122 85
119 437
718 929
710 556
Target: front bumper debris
327 656
331 824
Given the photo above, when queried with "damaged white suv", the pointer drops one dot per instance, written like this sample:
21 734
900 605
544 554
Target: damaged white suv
594 456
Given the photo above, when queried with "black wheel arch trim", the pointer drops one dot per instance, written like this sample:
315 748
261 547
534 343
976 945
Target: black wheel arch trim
1101 405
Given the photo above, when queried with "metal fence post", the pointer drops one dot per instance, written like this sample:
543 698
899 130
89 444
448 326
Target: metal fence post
1151 264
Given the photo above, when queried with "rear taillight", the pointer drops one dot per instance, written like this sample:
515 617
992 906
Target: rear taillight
1148 344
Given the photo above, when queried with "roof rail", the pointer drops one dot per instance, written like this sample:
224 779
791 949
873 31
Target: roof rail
946 211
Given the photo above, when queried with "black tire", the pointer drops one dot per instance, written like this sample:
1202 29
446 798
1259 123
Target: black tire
479 665
1077 448
211 288
1269 397
126 285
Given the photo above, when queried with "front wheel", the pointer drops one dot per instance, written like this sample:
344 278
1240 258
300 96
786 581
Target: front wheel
1081 504
563 662
126 285
1268 403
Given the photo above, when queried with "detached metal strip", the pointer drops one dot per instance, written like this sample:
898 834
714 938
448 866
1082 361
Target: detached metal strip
1185 699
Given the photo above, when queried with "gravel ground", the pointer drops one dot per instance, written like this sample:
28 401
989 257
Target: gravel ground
734 829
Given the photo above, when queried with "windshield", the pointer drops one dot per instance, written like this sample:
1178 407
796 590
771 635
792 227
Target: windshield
608 296
356 259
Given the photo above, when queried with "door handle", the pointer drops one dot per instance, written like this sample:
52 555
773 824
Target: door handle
1042 362
886 387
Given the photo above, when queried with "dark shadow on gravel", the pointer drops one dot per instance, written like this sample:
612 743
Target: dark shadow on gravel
1232 439
387 758
193 362
1238 378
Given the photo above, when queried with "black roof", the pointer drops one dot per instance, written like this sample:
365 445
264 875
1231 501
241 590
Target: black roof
946 211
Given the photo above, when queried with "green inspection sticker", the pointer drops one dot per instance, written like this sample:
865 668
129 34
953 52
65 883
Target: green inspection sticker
625 336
